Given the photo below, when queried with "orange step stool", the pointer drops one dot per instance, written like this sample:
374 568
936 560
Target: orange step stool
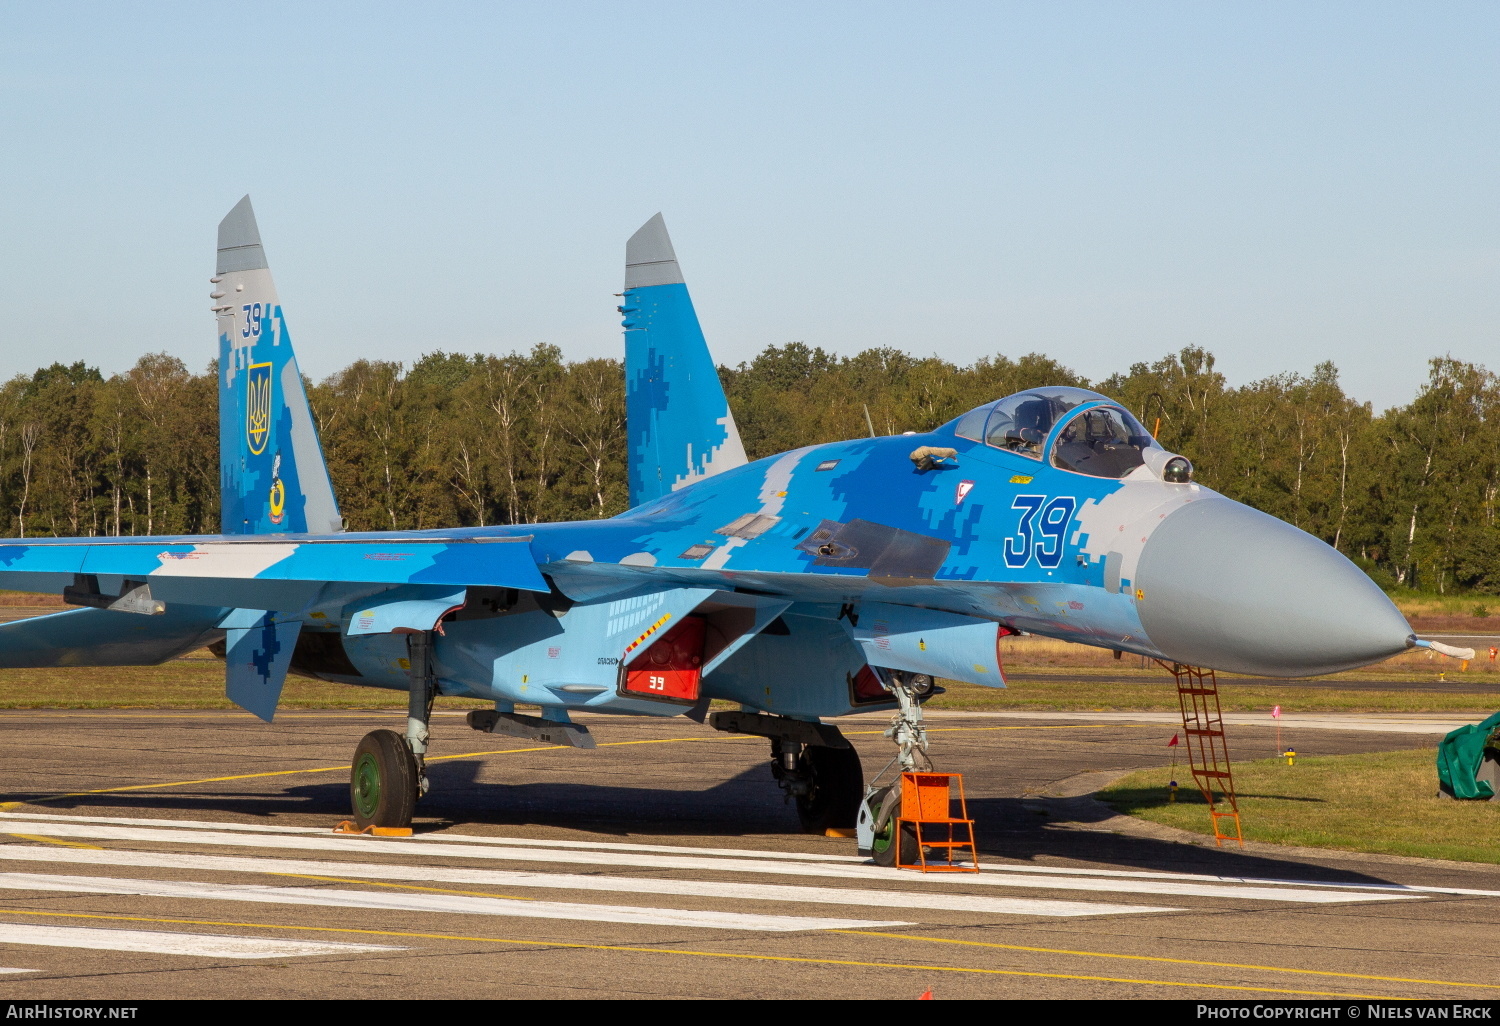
927 801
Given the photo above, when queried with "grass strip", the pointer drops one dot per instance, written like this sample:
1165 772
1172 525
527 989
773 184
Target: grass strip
1382 802
194 682
197 682
1077 692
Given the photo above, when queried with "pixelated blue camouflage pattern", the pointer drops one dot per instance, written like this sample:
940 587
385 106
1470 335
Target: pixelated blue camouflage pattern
855 552
679 428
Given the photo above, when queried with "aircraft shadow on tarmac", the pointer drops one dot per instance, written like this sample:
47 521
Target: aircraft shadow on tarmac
745 805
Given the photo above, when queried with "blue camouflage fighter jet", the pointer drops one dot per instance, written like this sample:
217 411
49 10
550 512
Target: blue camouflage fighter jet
804 586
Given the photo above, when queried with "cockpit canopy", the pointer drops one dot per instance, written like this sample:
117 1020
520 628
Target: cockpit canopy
1102 441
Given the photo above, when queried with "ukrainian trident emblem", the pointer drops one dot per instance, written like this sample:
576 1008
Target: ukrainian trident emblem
258 407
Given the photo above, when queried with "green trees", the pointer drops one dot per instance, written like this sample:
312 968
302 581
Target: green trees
136 454
474 440
1412 494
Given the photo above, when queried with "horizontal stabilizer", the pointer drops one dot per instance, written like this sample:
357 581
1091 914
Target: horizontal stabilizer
104 637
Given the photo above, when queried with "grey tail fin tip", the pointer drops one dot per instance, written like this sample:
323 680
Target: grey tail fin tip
650 258
239 240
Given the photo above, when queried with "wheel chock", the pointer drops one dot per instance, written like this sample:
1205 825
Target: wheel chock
840 832
347 827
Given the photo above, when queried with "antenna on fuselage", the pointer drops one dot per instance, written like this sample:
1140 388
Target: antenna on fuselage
868 422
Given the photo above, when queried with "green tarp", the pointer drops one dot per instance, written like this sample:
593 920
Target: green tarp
1461 756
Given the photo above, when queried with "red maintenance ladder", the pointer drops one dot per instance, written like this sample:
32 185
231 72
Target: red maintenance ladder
1208 752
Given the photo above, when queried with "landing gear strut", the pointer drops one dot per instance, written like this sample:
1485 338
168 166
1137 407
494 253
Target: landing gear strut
826 783
876 829
390 771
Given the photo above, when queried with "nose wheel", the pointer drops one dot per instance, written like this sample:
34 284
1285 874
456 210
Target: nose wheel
884 845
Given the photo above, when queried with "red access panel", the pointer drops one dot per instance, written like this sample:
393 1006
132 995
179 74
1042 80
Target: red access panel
670 668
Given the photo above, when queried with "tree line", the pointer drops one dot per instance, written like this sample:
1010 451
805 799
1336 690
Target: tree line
1410 494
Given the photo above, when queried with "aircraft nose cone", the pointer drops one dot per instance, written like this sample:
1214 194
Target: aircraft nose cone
1229 587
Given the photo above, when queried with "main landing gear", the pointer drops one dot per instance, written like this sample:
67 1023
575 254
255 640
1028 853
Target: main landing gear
813 764
389 773
826 783
878 811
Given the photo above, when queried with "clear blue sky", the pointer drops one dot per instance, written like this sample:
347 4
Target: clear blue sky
1282 183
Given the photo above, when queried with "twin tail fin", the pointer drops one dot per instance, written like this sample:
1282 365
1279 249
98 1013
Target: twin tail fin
272 476
679 428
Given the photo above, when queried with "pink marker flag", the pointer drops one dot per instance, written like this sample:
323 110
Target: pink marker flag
1172 743
1276 713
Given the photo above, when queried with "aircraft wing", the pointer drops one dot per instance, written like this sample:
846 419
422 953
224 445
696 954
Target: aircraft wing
269 573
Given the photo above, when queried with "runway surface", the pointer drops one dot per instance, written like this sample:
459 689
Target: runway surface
186 854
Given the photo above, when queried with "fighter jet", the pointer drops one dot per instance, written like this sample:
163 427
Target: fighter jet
802 587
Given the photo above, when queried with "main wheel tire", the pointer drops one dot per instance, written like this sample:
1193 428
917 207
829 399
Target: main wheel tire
383 781
883 848
838 785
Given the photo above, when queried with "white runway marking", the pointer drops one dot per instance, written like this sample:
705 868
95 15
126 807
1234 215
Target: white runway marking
331 897
1127 874
792 856
203 945
256 828
367 846
5 970
903 900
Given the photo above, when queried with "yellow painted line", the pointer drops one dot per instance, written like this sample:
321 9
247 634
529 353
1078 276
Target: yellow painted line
53 840
1173 961
345 768
400 887
534 943
508 751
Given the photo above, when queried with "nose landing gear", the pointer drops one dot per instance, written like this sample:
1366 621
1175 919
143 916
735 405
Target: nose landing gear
879 811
